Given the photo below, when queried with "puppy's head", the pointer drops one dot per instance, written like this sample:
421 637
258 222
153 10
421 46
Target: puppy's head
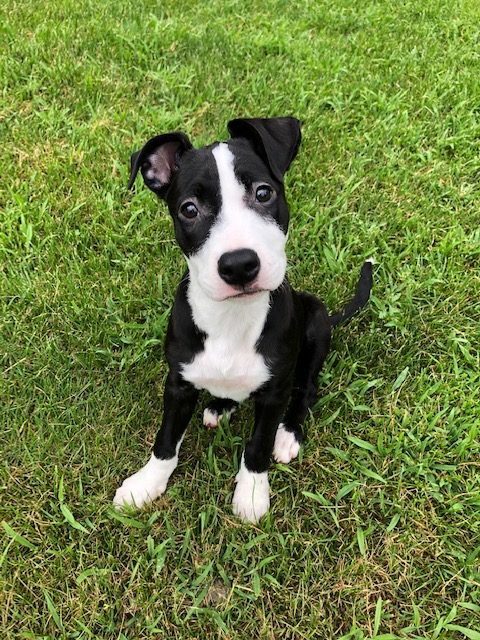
227 202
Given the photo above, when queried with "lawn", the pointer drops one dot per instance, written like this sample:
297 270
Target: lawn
375 531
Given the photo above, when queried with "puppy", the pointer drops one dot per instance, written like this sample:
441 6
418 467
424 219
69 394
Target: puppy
237 328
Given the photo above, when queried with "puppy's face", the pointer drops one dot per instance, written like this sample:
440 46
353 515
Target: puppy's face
227 203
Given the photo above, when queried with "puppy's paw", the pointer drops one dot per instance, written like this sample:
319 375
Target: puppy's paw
286 445
146 485
135 492
251 499
212 416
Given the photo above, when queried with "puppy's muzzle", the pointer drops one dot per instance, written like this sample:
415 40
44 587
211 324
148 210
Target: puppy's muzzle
239 268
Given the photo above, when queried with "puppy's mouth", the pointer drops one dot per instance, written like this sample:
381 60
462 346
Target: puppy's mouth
246 292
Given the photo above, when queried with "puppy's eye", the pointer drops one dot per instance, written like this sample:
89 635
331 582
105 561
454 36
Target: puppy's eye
263 193
189 210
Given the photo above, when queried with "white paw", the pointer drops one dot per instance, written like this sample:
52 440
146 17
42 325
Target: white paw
211 418
251 499
286 445
145 485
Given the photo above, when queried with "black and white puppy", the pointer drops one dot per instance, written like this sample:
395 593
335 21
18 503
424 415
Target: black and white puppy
237 328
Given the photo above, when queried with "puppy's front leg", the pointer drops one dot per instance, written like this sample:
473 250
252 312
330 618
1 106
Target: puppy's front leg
251 499
151 480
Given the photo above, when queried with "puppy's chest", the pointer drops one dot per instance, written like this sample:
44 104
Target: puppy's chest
229 365
227 370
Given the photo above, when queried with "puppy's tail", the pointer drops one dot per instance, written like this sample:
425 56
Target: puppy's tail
360 299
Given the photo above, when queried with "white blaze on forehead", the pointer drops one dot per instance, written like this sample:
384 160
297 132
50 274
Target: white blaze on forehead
231 189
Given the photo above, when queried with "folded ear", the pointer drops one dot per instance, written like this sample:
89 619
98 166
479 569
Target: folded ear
276 140
158 161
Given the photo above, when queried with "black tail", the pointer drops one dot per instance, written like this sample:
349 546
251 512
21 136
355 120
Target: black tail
360 299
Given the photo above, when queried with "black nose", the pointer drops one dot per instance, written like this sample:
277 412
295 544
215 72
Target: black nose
239 267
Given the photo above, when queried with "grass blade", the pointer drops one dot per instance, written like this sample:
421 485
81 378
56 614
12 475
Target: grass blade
363 444
17 537
378 616
361 541
53 611
69 517
345 490
468 633
400 379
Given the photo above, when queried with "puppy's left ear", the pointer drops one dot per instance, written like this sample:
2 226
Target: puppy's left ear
276 140
158 160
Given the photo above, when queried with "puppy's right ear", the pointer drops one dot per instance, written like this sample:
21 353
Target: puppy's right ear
158 160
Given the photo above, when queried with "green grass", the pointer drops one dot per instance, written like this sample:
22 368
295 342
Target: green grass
375 531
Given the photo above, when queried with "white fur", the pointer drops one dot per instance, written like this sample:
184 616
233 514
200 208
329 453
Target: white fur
251 499
237 227
286 446
147 484
212 418
229 365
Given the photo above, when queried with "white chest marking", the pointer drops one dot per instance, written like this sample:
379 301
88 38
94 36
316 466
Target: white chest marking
229 365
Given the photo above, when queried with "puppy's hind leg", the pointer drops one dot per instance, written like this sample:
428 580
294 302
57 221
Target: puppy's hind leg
215 409
313 351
